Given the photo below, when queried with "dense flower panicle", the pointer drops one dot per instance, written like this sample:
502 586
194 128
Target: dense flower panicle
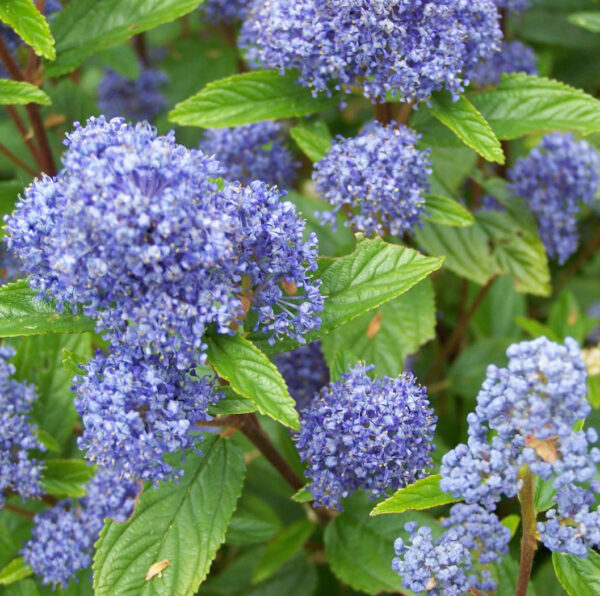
362 433
138 230
444 566
386 47
136 410
63 537
514 6
304 371
380 175
252 152
513 56
556 177
10 269
139 99
18 471
226 11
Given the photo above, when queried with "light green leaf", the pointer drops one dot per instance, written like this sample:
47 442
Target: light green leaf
21 93
586 20
16 570
253 375
85 27
183 523
47 440
543 494
314 145
375 273
249 97
468 125
21 313
282 548
447 212
232 403
66 477
423 494
25 587
579 577
303 495
523 104
32 27
511 522
536 329
505 575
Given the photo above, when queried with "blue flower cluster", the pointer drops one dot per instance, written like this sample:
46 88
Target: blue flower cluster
513 56
305 372
225 11
19 472
145 237
445 565
9 267
252 152
554 179
362 433
63 536
139 99
379 177
385 47
513 6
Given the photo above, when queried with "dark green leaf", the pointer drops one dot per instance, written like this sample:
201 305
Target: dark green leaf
183 523
579 577
447 212
85 27
66 477
26 20
249 97
254 521
314 145
232 403
253 375
505 575
21 313
25 587
282 548
21 93
468 125
16 570
423 494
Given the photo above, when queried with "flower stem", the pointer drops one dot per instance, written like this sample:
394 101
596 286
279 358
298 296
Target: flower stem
529 538
17 160
19 510
383 112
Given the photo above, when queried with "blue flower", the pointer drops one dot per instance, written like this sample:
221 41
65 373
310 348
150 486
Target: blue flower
226 11
362 433
513 56
514 6
378 177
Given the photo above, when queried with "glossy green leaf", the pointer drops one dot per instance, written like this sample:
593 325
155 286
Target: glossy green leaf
447 212
85 27
579 577
249 97
232 403
21 313
254 521
523 104
303 495
422 494
543 494
253 375
16 570
314 145
282 548
21 93
183 523
66 477
586 20
32 27
463 119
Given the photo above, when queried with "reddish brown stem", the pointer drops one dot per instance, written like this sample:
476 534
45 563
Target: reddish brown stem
383 112
529 539
17 160
141 48
19 510
405 112
14 116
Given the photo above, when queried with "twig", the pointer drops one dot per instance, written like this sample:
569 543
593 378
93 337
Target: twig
141 48
17 160
528 539
383 112
405 111
19 510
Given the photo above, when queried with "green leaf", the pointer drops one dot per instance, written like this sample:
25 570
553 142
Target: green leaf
511 522
314 145
47 440
586 20
66 477
253 375
85 27
536 329
254 521
543 494
16 570
375 273
385 337
183 523
505 575
232 403
282 548
523 104
468 125
447 212
25 587
423 494
303 495
72 363
353 531
579 577
32 27
249 97
21 313
21 93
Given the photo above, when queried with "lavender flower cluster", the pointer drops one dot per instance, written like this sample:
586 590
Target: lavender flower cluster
225 11
252 152
145 237
513 57
63 536
19 472
514 7
555 179
379 177
362 433
139 99
385 47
